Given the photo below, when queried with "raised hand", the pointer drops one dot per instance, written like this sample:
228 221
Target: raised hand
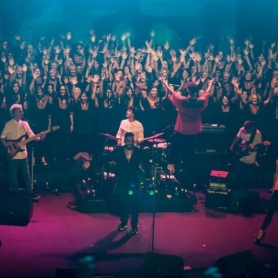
264 41
251 45
128 34
245 52
192 41
93 37
246 42
108 37
73 81
17 37
239 60
166 46
273 44
152 33
95 79
24 67
123 37
3 59
113 38
91 32
124 55
36 75
231 41
228 58
57 49
68 35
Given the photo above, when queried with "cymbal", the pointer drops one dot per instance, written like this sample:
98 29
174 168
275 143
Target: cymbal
109 136
154 136
157 140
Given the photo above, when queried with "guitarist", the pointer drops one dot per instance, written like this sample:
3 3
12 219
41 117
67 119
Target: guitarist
249 137
14 129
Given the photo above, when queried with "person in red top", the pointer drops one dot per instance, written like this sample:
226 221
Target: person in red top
188 122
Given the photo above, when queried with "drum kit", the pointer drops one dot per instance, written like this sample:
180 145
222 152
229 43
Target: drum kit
157 149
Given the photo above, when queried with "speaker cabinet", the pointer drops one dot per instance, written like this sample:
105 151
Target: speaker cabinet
158 265
15 210
242 264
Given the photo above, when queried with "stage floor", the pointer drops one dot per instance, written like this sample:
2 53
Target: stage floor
58 236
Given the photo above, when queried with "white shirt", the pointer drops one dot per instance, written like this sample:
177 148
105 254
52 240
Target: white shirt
15 129
135 127
251 158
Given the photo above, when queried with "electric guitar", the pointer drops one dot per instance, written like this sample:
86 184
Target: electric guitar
14 146
244 149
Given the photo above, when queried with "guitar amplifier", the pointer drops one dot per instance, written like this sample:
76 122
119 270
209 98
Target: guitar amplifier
211 140
218 199
213 128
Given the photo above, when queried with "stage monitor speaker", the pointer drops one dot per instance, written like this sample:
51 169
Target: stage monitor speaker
242 264
15 210
245 202
158 265
66 272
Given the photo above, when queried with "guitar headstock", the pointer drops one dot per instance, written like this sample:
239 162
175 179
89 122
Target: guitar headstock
54 128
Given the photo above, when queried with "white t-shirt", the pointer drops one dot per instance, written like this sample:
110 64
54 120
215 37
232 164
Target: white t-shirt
13 130
135 127
251 158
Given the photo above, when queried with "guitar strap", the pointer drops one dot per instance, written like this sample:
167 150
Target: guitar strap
252 136
24 127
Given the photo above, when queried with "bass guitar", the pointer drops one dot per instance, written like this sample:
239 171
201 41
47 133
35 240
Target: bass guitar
14 146
244 149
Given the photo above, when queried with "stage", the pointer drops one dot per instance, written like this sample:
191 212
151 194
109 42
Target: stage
57 237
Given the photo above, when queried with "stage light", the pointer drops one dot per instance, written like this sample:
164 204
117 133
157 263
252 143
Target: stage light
130 192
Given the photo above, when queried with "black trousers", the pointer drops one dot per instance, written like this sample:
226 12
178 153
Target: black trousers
271 210
183 149
14 166
129 204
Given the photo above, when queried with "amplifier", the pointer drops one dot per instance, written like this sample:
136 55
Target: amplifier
218 199
213 128
211 140
218 181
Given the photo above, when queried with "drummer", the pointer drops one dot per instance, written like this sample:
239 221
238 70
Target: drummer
130 125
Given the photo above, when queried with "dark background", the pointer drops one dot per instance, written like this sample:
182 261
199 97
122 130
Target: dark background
175 20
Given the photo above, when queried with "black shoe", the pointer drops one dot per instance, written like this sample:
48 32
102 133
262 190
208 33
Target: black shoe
35 198
73 203
134 231
257 241
121 227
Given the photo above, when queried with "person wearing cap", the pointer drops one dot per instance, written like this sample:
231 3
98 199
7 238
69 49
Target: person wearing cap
188 123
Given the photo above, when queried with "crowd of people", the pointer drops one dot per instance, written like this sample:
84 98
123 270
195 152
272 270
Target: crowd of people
86 89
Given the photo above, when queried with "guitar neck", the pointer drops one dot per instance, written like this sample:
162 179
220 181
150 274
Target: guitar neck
24 142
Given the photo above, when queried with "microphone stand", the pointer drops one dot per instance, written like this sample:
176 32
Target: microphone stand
156 170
